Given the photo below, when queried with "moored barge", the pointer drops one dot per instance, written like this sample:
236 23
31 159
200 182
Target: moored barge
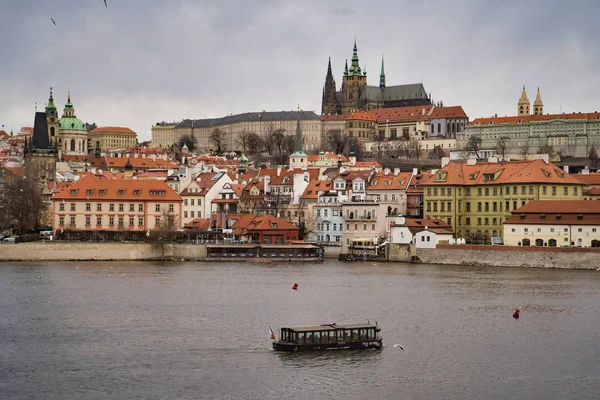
329 337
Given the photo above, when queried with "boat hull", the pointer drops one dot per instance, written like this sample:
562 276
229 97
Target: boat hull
362 345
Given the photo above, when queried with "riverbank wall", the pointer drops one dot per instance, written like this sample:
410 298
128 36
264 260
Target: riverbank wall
500 256
68 251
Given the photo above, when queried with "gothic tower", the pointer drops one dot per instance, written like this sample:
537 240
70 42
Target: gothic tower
329 103
382 76
353 83
523 105
52 120
538 106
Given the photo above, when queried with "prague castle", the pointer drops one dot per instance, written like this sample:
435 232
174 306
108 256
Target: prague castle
356 95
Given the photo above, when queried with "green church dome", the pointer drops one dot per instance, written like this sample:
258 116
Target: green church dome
71 123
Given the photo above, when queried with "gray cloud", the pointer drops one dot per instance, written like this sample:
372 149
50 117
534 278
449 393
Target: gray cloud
139 62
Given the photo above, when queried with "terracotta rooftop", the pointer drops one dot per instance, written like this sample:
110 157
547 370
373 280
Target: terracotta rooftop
94 188
397 114
448 112
496 173
534 118
360 115
591 179
557 212
316 186
111 129
381 181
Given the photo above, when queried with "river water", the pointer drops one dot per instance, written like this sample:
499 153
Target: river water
200 331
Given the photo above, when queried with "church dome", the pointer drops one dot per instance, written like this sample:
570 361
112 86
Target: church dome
71 123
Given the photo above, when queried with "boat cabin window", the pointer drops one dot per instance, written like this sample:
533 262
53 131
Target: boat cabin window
300 337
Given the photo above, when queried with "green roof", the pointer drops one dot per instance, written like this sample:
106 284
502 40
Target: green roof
71 123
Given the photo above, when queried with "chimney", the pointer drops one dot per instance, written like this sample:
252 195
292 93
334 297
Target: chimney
267 180
493 159
566 168
278 171
445 161
386 171
416 171
396 171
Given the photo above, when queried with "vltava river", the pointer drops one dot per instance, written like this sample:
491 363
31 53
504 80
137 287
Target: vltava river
200 331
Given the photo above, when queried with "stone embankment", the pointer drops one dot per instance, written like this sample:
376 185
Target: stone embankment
501 256
69 251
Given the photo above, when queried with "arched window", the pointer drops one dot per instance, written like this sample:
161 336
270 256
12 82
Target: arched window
552 242
72 144
432 128
526 242
51 131
453 127
539 242
439 128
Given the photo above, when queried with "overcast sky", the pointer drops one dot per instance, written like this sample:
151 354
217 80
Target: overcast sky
142 61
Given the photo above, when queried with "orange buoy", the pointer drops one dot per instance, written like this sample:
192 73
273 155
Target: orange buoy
295 286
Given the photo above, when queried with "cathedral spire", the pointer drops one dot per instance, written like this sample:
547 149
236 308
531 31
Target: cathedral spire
382 75
346 68
538 105
355 68
329 73
329 103
523 104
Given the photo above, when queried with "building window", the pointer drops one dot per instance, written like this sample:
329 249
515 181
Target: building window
61 207
99 207
435 191
513 230
468 206
111 221
72 206
479 191
435 206
131 221
449 191
61 220
487 221
192 214
98 220
140 207
157 208
140 221
88 221
530 189
575 191
72 221
88 207
467 221
111 207
579 230
192 202
171 208
478 221
156 221
478 206
543 189
131 207
185 214
449 207
467 191
121 207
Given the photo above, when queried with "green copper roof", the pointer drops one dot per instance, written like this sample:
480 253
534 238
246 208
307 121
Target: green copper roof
298 151
242 158
51 106
71 123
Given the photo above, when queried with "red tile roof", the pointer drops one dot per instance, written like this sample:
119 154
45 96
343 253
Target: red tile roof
316 186
534 171
557 212
448 112
399 114
592 179
199 224
381 181
329 156
360 115
111 129
534 118
140 163
92 187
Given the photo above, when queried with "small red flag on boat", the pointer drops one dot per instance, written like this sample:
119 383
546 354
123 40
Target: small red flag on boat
272 334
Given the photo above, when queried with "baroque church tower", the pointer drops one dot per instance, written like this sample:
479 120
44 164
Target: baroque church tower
52 120
329 103
523 104
538 106
353 83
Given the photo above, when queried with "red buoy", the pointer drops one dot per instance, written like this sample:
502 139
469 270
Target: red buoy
516 314
295 286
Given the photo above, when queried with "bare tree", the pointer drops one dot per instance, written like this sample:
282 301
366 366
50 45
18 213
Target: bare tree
547 149
254 142
593 157
267 140
289 144
278 136
474 144
22 204
301 216
411 149
502 146
335 141
524 150
243 140
217 138
437 153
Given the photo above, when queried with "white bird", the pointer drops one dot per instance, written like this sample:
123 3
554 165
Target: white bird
399 345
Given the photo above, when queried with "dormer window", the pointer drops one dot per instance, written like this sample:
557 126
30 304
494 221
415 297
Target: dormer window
74 192
102 192
153 193
161 193
488 177
121 192
90 192
137 192
273 225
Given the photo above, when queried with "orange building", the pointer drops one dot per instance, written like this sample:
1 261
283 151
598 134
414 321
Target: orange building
96 203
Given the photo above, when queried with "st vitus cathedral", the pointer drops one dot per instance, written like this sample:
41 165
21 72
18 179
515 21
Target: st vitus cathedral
357 95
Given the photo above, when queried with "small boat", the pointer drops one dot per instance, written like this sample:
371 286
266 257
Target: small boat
329 337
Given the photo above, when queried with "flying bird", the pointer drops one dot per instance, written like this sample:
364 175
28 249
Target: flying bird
105 3
53 21
399 345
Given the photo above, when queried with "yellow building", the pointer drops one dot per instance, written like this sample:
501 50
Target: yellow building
476 197
163 135
111 137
